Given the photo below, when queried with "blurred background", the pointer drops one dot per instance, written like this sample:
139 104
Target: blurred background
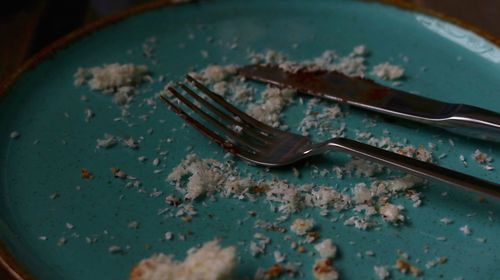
27 26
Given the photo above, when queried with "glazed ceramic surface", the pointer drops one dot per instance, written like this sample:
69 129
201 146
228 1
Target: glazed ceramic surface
441 60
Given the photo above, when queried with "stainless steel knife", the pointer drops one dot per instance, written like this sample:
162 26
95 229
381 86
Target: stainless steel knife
364 93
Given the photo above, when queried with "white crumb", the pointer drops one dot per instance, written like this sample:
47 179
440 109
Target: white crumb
115 249
89 114
217 73
481 240
269 109
279 257
131 143
480 157
361 193
382 272
14 135
209 262
326 249
302 226
107 142
111 76
323 270
392 213
388 71
133 225
446 221
169 235
466 230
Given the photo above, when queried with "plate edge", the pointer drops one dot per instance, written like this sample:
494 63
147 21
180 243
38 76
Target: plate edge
7 262
64 41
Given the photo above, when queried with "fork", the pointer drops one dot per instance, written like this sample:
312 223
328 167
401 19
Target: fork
261 144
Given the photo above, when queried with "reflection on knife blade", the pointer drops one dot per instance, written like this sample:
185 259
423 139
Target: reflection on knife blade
365 93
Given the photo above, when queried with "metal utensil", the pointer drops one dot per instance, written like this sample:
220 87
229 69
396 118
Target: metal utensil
261 144
364 93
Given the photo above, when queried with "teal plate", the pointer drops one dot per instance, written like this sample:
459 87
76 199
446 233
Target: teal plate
44 106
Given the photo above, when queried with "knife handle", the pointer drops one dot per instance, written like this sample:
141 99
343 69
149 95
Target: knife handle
474 122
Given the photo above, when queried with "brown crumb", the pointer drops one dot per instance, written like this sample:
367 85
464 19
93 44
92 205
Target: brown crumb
278 270
172 200
187 219
274 271
86 173
301 249
324 266
118 173
404 267
259 189
312 236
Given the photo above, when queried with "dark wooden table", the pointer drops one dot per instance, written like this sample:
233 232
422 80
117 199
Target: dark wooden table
28 26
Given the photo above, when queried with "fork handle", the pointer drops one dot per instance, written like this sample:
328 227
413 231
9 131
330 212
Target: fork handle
414 166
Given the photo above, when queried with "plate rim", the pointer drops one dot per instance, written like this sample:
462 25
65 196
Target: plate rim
14 268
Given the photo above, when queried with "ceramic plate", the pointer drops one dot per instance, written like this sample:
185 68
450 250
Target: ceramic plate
42 190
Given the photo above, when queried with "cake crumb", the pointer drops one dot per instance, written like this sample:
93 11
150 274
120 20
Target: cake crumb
62 241
114 249
131 143
302 226
404 267
107 142
209 262
85 173
392 213
481 157
110 76
382 272
388 71
446 221
466 230
323 270
481 240
326 249
14 135
133 225
169 235
279 257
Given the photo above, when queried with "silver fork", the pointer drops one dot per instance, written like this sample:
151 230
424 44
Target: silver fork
258 143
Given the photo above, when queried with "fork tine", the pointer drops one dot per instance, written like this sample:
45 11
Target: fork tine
209 105
249 130
219 100
210 134
228 146
229 132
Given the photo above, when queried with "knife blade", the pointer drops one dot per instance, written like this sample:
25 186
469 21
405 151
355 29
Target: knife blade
463 119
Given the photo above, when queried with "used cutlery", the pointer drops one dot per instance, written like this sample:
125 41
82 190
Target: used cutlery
261 144
364 93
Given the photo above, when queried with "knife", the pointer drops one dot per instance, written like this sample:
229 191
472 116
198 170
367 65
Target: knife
364 93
